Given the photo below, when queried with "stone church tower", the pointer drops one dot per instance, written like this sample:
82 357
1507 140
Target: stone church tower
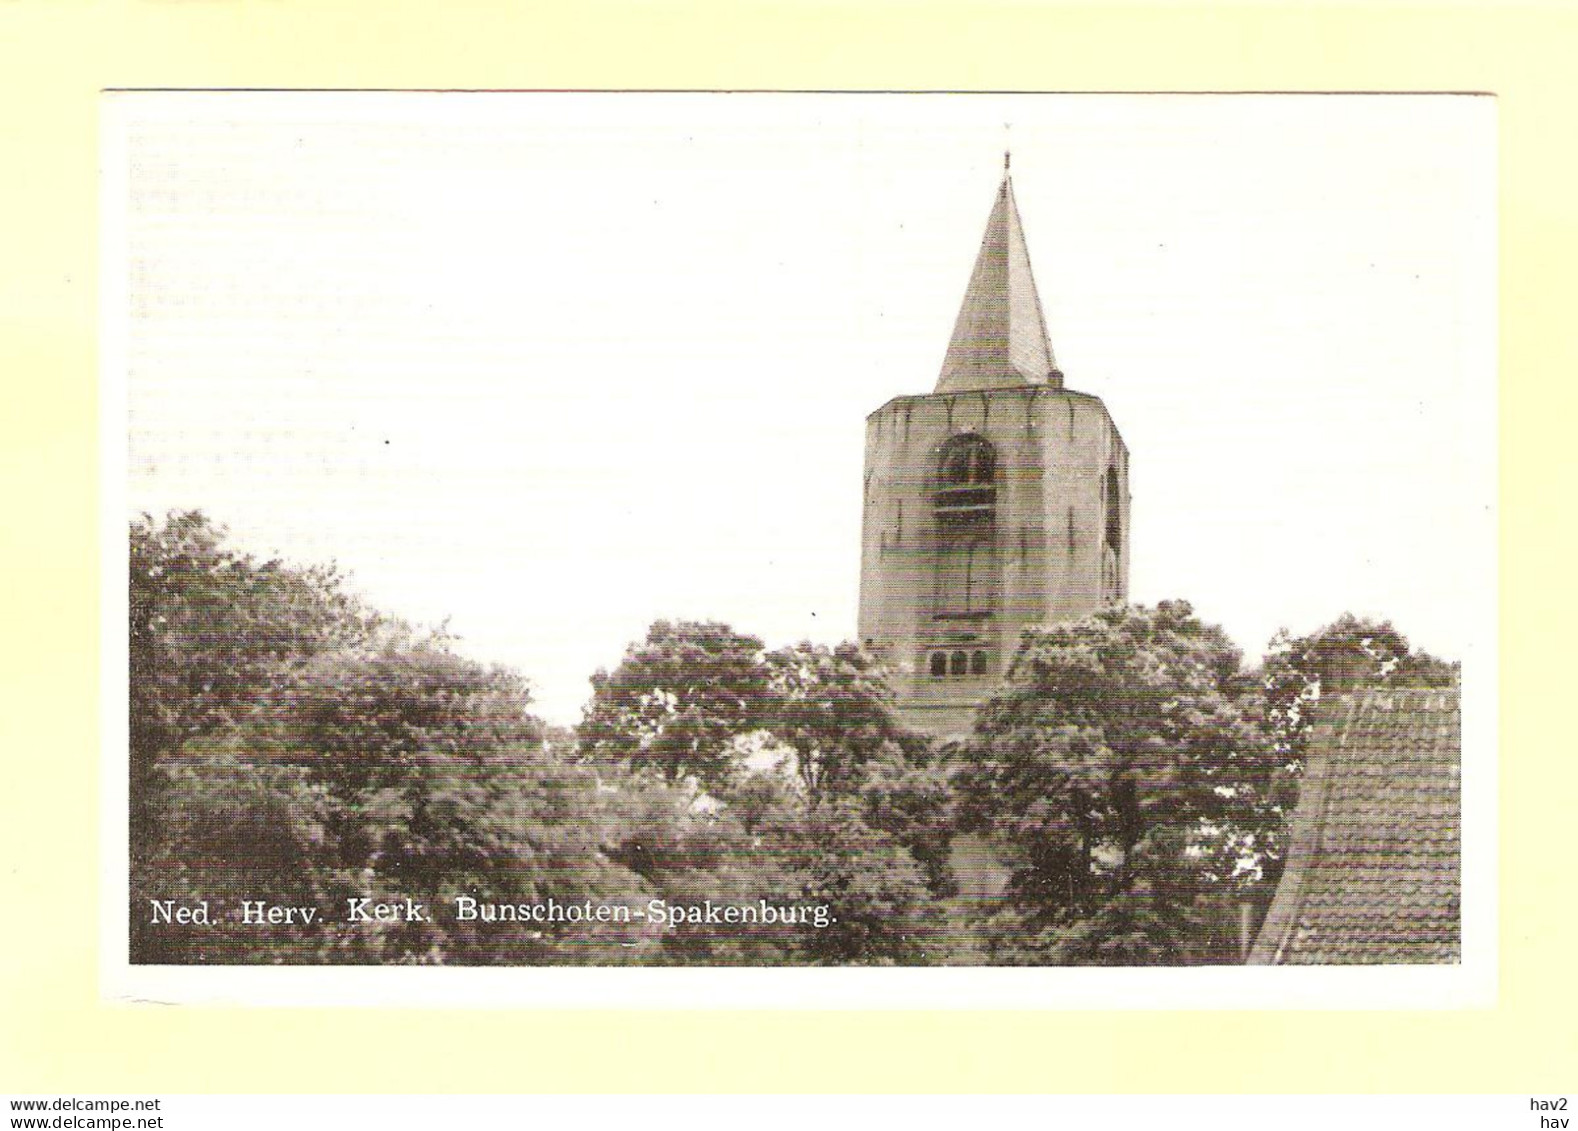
998 500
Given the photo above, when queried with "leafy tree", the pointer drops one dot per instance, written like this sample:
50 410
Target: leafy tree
833 707
688 849
913 803
1349 652
686 698
560 741
860 821
291 746
211 633
826 855
409 773
769 841
443 788
231 831
211 629
883 910
1122 781
678 701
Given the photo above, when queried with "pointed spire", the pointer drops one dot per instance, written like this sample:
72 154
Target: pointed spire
1000 338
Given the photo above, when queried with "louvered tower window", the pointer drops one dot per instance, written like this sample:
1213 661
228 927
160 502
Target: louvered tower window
966 495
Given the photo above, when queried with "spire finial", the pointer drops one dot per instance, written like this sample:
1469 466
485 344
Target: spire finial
1008 156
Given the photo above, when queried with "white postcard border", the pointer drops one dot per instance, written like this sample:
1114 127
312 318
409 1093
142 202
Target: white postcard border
1470 984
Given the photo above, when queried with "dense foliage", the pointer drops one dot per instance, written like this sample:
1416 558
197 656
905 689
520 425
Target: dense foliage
1350 652
678 702
212 634
802 747
292 749
1124 778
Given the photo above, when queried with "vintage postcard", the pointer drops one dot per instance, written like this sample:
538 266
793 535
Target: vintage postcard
886 550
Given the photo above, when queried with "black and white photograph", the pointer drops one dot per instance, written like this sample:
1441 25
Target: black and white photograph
1017 537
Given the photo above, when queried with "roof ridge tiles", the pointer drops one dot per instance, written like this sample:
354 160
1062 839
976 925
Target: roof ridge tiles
1372 872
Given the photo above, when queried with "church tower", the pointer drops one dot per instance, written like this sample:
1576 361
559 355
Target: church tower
997 501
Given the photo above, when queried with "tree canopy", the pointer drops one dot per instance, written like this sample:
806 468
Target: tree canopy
678 701
213 633
291 745
833 708
1349 652
1123 780
294 747
852 815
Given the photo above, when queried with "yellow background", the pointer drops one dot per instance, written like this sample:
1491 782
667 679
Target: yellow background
55 1034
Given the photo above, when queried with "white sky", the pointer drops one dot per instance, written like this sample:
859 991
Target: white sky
554 366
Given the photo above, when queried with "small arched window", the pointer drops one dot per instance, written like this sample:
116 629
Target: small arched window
966 481
960 664
978 663
939 664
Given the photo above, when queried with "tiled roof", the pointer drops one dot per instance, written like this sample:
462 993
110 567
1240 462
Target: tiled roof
1000 338
1373 871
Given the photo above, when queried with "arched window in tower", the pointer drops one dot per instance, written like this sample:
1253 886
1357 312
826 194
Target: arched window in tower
959 664
1114 511
966 495
967 460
